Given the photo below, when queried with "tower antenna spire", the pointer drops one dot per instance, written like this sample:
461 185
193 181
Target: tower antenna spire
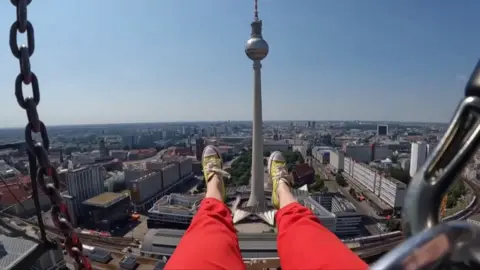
255 10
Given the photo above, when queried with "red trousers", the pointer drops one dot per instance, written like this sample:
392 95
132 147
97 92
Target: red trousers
303 243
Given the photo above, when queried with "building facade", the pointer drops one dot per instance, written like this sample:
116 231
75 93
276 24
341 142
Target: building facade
389 190
82 184
418 156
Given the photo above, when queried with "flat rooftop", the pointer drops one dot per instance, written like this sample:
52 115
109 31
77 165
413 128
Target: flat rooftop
105 199
13 249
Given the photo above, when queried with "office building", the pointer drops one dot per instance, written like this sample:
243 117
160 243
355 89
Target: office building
105 211
199 146
382 130
82 184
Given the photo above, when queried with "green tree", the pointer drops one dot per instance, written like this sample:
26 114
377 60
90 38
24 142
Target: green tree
393 225
456 191
241 169
266 153
451 202
292 158
318 185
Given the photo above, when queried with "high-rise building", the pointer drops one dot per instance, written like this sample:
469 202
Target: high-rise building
102 148
430 148
83 184
418 156
199 146
382 130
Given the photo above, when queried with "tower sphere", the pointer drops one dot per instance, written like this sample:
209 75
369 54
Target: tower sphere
256 48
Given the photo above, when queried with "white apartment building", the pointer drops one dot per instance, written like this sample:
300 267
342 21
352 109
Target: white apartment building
418 156
337 160
390 191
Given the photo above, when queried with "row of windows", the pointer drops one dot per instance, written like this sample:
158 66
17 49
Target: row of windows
162 217
385 188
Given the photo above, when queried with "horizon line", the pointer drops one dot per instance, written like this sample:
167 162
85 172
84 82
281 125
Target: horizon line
217 121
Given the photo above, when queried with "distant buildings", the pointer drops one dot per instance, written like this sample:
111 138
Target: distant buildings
279 145
366 152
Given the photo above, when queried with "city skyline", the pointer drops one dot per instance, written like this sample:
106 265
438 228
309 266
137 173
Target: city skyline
21 128
82 81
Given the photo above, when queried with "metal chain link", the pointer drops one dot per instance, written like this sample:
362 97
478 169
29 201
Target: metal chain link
38 152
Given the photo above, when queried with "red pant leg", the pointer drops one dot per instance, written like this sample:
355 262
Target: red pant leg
303 243
210 242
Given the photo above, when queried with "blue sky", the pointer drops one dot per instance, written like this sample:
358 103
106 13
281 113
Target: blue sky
123 61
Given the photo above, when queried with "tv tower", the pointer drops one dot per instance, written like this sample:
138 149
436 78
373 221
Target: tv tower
257 49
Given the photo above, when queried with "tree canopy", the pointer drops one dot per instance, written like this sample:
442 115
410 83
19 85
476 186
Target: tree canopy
242 166
318 185
456 191
293 158
241 169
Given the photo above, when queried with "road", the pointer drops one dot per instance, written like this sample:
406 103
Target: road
370 218
228 164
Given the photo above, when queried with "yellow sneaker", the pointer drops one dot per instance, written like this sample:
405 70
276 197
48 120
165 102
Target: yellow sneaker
212 164
277 172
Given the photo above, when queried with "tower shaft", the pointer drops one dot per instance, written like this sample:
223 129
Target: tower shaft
257 195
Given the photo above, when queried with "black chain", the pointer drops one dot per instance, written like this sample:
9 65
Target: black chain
39 162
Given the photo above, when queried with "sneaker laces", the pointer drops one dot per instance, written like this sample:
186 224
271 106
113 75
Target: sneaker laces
213 166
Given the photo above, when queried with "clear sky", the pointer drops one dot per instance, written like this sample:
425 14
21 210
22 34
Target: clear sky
110 61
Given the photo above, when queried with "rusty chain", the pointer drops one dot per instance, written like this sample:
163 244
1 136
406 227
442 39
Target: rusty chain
39 162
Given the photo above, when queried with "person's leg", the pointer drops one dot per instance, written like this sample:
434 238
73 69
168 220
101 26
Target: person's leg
211 240
303 243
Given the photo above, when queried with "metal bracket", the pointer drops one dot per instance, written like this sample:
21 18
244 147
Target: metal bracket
425 191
